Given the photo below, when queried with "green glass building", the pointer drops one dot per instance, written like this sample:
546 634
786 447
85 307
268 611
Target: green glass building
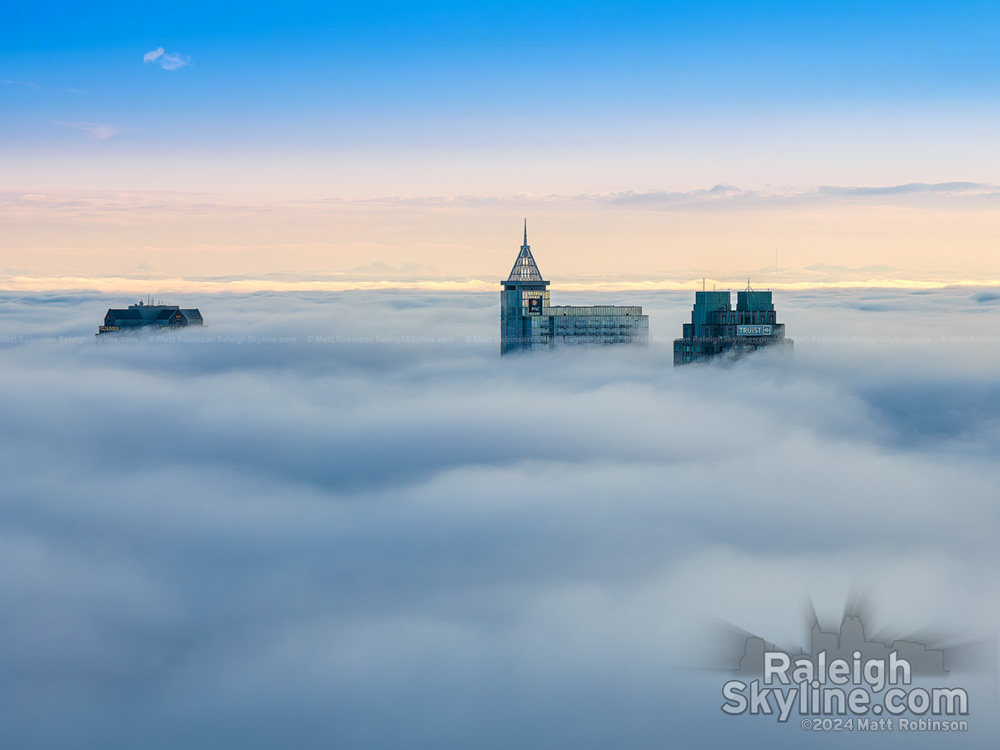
716 328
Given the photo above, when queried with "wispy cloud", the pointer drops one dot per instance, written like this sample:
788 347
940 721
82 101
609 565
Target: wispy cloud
729 196
719 198
33 85
909 189
93 129
166 60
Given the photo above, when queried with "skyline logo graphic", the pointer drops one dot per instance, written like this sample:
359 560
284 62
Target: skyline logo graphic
844 681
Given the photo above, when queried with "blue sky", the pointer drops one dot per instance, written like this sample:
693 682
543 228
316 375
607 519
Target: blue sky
416 74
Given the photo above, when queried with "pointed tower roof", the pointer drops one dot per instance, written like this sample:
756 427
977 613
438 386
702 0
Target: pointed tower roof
525 268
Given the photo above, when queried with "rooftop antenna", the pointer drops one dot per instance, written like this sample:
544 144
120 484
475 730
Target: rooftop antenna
703 283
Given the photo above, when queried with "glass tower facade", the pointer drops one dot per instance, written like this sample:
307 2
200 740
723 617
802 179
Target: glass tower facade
716 328
528 322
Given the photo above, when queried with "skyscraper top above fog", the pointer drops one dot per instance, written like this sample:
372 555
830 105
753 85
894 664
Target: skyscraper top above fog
716 328
528 322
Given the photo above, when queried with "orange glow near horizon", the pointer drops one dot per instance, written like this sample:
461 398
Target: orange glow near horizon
147 242
122 285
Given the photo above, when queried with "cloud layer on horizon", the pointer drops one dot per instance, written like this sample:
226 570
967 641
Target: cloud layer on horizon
106 204
924 234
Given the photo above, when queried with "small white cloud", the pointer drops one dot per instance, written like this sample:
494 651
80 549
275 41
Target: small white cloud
166 60
173 61
93 129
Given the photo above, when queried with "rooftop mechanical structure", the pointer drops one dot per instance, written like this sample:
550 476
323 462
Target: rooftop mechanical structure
155 317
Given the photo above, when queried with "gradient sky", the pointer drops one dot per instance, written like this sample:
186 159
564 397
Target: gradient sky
251 118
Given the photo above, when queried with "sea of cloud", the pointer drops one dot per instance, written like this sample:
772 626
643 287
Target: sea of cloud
341 520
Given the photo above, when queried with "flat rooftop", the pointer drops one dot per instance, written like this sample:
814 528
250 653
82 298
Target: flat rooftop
592 310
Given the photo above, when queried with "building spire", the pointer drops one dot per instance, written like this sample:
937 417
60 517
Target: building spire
525 268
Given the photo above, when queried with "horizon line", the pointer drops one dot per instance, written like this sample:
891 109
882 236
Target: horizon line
146 285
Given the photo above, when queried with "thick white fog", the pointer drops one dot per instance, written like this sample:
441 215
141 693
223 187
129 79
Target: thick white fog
341 520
